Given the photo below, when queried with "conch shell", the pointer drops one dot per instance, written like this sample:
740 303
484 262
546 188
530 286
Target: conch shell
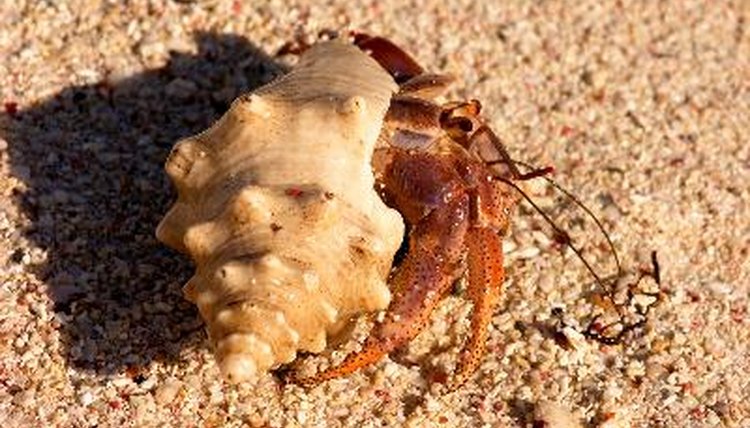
276 208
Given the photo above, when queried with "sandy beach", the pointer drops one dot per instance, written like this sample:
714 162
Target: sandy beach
642 107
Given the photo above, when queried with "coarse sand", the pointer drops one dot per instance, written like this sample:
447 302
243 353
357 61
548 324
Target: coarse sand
642 107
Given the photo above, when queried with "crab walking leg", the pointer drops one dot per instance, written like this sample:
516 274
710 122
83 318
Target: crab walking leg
486 275
426 86
485 139
420 282
398 63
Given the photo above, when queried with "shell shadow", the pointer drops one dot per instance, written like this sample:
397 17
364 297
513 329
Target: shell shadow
92 161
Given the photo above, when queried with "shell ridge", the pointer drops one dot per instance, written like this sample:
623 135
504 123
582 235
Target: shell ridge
277 208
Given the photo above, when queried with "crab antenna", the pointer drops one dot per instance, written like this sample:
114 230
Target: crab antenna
559 231
588 211
575 200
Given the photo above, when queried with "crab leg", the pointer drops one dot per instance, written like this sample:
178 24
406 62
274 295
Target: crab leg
427 273
426 86
484 139
486 274
414 115
397 62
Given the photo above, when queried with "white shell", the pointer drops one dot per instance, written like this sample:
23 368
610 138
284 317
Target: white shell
277 209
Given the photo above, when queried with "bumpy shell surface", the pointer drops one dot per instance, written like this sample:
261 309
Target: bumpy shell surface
277 209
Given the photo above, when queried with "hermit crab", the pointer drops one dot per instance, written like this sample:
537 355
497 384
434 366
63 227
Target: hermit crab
294 203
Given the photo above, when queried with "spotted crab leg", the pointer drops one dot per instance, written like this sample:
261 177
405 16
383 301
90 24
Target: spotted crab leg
419 283
486 275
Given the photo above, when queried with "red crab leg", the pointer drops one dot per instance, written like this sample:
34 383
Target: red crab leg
391 57
414 114
427 86
427 273
484 137
486 275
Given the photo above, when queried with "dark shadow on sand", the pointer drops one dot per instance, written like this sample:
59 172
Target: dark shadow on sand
92 160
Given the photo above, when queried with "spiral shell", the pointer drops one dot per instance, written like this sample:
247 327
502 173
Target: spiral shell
276 208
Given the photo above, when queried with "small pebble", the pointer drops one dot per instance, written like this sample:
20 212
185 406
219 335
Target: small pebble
167 391
148 384
554 415
86 398
720 288
527 253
